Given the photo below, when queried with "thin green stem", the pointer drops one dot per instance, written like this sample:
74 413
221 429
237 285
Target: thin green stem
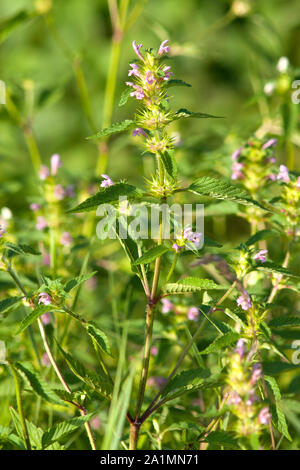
20 406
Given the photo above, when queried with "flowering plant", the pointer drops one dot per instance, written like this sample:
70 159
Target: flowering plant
120 314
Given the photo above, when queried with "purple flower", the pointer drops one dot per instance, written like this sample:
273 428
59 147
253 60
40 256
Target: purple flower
158 382
271 177
46 319
134 71
35 207
139 131
138 93
41 223
44 172
237 153
256 373
167 72
154 351
46 259
236 171
55 163
264 416
194 237
270 143
96 423
45 360
167 306
177 247
149 77
244 301
261 256
252 398
70 191
193 313
136 48
106 181
44 298
59 192
283 174
240 348
164 48
66 239
298 182
234 399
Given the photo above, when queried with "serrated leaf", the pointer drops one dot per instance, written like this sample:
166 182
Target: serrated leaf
9 303
99 336
152 254
113 129
184 113
261 235
34 315
281 421
40 387
222 438
63 429
189 380
190 284
20 249
76 281
222 342
284 321
107 196
177 82
270 267
221 189
124 97
98 382
169 163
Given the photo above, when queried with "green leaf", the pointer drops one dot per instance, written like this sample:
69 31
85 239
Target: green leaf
284 321
152 254
9 24
39 386
113 129
63 429
99 336
20 249
222 439
209 242
221 189
270 267
34 315
281 421
98 382
177 82
190 284
261 235
124 97
35 433
189 380
169 163
184 113
76 281
107 196
222 342
9 303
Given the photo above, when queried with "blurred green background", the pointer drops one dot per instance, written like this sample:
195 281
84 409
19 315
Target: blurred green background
227 59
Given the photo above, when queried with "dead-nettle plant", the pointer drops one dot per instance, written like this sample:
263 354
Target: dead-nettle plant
247 282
